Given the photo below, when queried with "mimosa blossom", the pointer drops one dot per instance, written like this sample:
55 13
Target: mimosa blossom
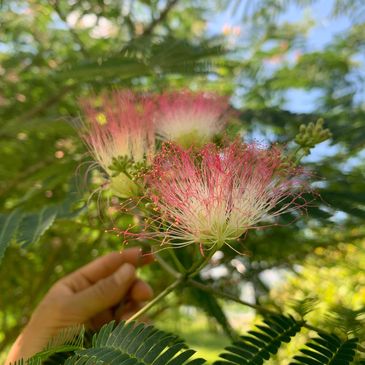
121 127
214 196
189 118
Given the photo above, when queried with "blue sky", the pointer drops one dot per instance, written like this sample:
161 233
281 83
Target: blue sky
325 29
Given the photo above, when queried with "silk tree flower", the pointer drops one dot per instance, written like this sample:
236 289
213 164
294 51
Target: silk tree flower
119 131
213 196
189 118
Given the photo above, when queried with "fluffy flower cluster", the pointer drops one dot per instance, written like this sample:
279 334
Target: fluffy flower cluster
123 125
190 118
201 193
212 197
119 125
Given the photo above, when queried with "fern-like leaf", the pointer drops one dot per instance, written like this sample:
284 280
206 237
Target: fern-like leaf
347 319
304 306
32 361
260 344
59 347
327 349
212 308
134 344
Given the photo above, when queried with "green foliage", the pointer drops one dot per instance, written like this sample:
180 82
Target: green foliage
34 225
327 350
8 226
134 344
66 341
260 344
148 56
347 319
47 64
329 303
34 361
27 228
210 304
304 306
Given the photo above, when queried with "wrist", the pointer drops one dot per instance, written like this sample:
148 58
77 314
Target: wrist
35 336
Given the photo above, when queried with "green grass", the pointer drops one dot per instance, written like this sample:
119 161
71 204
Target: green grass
199 334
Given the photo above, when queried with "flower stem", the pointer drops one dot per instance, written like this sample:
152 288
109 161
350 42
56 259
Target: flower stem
195 269
233 298
180 278
167 266
163 294
177 262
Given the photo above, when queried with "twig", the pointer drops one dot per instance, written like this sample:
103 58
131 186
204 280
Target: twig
166 266
163 294
195 269
74 34
45 105
177 262
186 279
160 18
233 298
24 175
156 21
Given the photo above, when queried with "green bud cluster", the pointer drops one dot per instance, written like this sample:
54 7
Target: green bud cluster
126 165
120 164
124 175
311 134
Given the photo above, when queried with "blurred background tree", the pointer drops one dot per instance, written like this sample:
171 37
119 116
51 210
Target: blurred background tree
262 53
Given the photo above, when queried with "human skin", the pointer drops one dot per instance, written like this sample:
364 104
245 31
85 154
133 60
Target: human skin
105 289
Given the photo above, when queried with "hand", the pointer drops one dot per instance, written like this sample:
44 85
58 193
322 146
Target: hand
97 293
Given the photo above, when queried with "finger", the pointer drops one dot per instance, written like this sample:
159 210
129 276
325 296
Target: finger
141 291
126 306
104 267
132 311
101 318
106 293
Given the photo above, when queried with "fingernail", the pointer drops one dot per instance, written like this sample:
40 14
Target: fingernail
126 272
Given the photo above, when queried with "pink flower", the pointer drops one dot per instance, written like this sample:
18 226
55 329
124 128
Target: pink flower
212 197
189 118
119 125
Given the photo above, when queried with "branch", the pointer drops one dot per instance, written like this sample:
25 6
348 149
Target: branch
159 297
167 267
233 298
24 175
147 31
74 34
53 99
187 279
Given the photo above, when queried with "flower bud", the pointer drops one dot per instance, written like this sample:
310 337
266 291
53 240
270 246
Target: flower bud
212 196
312 134
120 134
123 187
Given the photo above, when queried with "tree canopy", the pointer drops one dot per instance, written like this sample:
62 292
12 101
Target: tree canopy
52 53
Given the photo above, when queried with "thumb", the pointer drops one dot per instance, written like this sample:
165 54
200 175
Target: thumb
106 293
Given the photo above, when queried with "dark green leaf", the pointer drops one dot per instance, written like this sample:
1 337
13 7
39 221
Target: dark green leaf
8 226
34 225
